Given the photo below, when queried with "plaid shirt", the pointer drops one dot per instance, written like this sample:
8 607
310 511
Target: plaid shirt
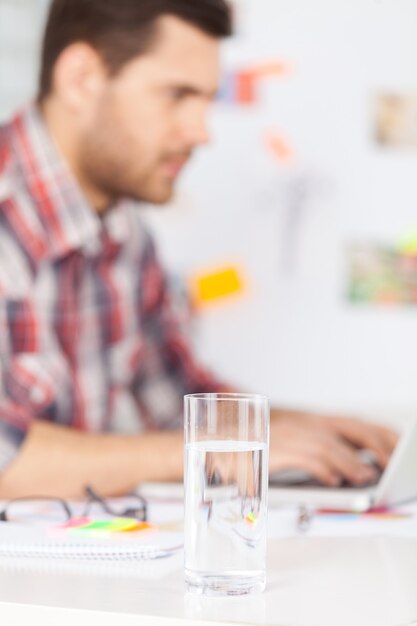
89 337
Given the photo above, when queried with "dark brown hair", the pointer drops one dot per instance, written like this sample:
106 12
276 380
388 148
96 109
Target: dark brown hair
120 29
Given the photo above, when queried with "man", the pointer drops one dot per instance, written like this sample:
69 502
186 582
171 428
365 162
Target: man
93 362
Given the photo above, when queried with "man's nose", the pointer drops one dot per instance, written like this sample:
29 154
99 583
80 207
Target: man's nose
201 134
195 130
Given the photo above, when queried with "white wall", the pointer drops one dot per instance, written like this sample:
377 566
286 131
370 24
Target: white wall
293 336
296 338
21 22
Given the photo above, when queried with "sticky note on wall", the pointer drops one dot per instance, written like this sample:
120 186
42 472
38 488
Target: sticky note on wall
271 69
245 88
280 148
214 286
240 86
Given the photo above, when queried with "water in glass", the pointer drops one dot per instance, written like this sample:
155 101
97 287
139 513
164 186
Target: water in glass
225 516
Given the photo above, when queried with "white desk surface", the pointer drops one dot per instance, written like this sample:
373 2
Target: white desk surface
311 582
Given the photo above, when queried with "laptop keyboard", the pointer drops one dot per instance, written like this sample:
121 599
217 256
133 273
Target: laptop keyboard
313 483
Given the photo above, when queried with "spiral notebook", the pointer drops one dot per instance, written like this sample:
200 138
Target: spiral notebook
33 542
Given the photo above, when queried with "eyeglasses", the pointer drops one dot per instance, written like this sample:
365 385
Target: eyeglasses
57 510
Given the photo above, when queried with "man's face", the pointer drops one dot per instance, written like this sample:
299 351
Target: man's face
146 121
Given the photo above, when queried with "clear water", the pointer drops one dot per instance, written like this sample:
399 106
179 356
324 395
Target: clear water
225 516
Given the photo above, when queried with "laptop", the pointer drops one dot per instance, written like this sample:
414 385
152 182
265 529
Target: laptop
395 485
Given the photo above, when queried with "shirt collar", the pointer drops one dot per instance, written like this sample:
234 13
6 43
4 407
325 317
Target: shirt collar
69 221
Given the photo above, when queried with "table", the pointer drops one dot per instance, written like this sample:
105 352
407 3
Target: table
311 582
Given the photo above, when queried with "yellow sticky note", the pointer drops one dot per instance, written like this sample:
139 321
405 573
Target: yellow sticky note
215 285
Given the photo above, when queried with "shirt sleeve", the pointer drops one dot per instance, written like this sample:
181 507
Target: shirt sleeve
168 368
30 378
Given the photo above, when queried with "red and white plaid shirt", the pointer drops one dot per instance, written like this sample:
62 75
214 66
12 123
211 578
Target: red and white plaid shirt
88 333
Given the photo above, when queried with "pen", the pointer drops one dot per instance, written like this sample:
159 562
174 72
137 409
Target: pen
304 518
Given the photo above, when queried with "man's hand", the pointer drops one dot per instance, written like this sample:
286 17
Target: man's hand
327 447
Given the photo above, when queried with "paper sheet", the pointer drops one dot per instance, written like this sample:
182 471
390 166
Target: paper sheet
283 523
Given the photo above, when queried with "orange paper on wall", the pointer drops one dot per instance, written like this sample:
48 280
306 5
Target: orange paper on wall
274 68
280 148
245 88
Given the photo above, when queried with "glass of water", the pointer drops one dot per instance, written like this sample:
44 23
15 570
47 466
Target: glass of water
226 487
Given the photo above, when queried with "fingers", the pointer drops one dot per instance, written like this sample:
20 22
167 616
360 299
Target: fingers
389 437
322 453
379 439
314 466
346 462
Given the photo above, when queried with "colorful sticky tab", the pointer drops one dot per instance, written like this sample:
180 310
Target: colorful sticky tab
129 525
379 513
116 525
387 514
250 518
216 285
75 522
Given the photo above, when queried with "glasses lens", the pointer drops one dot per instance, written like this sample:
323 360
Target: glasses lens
37 511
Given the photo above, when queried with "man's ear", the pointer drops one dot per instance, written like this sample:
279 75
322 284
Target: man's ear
79 75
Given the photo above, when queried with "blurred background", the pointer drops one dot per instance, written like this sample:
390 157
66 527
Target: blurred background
292 242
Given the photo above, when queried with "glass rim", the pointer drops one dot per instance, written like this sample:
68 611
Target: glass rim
240 397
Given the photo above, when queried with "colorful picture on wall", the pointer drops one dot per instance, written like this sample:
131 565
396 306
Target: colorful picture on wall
396 120
382 275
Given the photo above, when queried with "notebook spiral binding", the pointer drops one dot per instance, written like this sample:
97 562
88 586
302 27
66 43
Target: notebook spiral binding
87 552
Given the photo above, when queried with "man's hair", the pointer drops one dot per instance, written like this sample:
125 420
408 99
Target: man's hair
121 29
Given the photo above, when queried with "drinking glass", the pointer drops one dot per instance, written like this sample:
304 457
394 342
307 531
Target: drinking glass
226 488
